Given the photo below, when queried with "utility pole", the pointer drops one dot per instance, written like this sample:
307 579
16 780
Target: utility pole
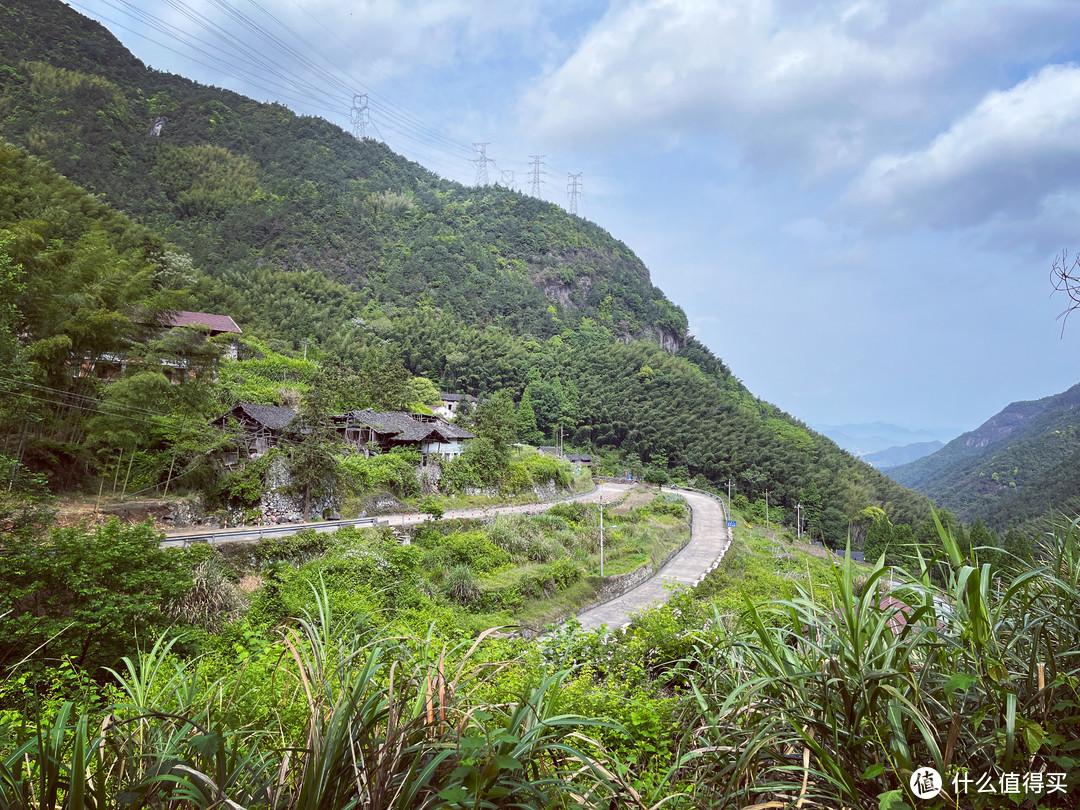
601 528
798 520
729 495
359 115
573 189
537 173
766 510
481 163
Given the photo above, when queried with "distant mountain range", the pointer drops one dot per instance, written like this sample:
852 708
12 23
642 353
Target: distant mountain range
902 454
883 444
1018 469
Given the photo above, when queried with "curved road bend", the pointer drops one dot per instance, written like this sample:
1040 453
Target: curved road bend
709 538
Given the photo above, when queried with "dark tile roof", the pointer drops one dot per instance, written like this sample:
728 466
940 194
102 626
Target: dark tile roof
217 323
456 397
275 417
402 427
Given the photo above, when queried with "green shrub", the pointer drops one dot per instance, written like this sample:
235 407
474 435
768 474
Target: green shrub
390 472
517 478
244 486
544 469
473 549
570 511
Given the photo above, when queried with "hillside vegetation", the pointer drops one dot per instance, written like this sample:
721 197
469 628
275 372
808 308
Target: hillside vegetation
1020 469
320 244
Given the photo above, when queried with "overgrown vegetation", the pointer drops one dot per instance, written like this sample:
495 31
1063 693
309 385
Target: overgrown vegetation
825 682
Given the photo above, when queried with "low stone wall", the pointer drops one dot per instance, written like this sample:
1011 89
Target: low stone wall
614 587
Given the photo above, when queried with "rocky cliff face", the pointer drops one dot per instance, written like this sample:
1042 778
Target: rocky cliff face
1017 416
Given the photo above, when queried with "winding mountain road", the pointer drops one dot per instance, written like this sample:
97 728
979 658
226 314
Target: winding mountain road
710 538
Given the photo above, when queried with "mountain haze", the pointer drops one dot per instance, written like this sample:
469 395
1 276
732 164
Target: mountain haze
311 238
901 454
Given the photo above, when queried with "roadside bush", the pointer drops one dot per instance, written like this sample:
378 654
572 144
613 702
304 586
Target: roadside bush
473 549
570 511
390 472
543 469
517 479
460 584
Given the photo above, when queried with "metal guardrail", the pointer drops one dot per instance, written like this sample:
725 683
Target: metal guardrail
259 532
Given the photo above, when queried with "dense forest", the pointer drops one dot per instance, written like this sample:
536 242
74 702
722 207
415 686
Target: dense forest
325 246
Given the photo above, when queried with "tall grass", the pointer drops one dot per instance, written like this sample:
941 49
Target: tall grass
836 703
388 723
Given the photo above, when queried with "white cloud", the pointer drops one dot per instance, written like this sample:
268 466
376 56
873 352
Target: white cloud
1007 157
824 86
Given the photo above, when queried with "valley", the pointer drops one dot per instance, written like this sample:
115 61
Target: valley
303 451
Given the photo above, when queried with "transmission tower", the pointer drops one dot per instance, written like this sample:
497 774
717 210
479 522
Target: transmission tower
481 162
359 115
508 178
537 173
573 189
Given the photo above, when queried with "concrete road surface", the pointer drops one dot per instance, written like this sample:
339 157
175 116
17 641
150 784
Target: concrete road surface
709 539
609 491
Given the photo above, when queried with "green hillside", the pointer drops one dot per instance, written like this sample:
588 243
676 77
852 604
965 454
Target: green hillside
1019 469
320 244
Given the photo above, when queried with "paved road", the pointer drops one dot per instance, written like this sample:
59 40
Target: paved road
709 540
609 492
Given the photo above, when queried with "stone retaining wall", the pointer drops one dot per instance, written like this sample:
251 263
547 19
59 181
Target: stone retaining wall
614 587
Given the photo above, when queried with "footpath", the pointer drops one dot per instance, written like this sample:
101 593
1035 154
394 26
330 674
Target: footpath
710 539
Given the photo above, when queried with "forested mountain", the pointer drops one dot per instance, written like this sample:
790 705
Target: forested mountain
1017 469
317 242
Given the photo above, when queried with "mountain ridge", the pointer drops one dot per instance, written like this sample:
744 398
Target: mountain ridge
1013 468
309 236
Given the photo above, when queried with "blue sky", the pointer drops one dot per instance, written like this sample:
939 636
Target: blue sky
857 203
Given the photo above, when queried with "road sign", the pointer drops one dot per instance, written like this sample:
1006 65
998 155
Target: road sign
731 524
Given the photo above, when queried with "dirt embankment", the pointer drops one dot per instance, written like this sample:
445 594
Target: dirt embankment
73 511
638 496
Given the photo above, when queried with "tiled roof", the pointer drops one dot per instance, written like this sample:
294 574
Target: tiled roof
275 417
217 323
456 397
402 427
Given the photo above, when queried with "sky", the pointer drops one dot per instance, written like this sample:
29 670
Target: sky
856 203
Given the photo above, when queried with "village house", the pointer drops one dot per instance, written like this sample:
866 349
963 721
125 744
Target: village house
214 324
451 404
111 366
580 459
261 427
369 431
